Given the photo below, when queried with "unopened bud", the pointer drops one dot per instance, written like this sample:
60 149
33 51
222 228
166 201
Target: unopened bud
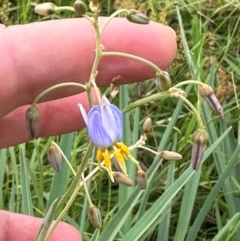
137 17
94 5
55 158
147 125
163 81
207 94
94 216
32 116
200 139
170 155
45 9
80 8
141 179
122 179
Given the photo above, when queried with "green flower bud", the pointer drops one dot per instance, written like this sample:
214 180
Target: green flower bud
147 125
32 116
45 9
135 16
55 158
141 179
207 94
200 139
94 216
80 8
163 81
122 179
170 155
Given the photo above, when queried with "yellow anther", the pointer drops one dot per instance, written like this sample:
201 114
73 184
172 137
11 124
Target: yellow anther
107 160
123 148
99 155
119 156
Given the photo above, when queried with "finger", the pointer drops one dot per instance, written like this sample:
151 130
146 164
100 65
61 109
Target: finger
56 117
24 228
39 55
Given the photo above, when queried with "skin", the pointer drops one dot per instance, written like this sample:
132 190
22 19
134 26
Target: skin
39 55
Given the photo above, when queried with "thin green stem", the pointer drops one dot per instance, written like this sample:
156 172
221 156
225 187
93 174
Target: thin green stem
36 100
63 8
65 209
64 157
111 17
148 149
199 119
187 82
86 190
74 187
97 59
135 162
125 55
160 95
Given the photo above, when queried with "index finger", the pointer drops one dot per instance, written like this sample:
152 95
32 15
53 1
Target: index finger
39 55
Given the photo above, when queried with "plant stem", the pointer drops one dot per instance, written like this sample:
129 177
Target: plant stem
111 17
125 55
187 82
36 100
64 157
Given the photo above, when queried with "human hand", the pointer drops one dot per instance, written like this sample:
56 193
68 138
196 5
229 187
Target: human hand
39 55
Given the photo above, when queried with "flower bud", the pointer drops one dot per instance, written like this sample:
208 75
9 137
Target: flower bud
45 9
122 179
141 179
200 139
207 94
95 5
163 81
94 216
147 125
32 116
170 155
79 8
55 158
135 16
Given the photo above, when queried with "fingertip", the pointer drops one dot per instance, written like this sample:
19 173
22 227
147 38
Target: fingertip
65 231
21 227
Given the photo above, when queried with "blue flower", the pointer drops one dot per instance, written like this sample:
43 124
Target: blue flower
104 123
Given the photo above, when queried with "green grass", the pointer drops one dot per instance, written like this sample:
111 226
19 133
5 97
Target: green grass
178 204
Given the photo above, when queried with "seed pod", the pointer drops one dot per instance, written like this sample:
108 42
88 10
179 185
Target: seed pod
163 81
94 216
170 155
141 179
122 179
80 8
147 125
55 158
207 94
200 139
135 16
32 117
45 9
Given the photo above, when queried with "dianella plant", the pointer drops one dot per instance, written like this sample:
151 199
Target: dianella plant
105 123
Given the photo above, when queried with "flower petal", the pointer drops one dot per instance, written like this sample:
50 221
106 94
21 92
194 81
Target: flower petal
84 113
96 131
112 121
